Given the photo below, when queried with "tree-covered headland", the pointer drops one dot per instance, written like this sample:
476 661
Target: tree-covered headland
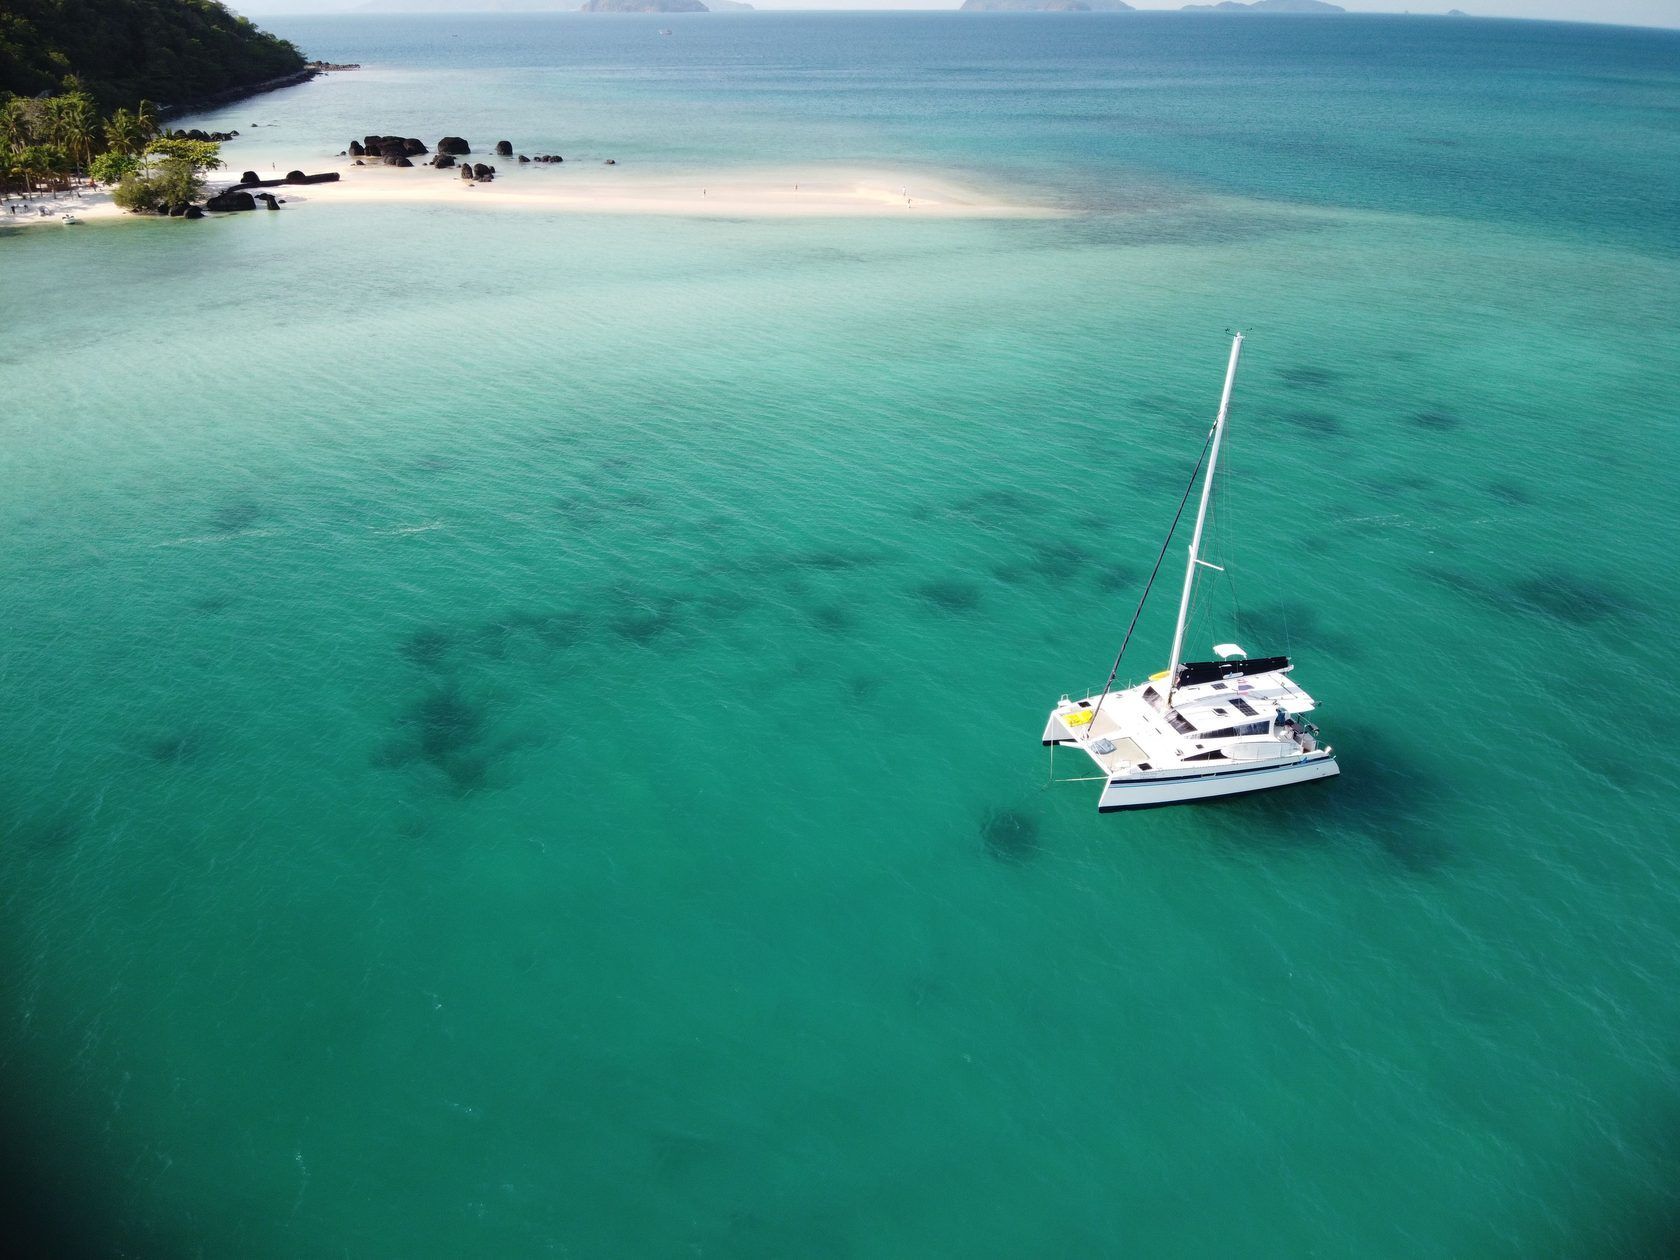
123 51
77 82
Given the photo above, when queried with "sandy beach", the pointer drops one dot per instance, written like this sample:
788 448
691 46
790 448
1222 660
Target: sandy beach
91 205
593 188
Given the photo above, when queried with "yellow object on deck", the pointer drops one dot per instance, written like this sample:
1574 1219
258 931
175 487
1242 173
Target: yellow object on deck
1158 677
1077 718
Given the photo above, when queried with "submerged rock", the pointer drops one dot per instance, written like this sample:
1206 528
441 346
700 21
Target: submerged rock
504 148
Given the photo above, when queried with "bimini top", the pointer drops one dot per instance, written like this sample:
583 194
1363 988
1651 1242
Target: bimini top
1193 672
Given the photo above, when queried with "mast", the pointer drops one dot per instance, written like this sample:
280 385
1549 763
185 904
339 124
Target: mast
1201 516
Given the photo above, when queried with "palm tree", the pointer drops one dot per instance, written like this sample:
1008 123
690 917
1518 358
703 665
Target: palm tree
81 127
146 117
70 124
16 130
122 132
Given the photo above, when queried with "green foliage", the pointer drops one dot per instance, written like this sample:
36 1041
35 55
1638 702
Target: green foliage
177 181
174 182
136 194
122 50
203 155
113 167
39 165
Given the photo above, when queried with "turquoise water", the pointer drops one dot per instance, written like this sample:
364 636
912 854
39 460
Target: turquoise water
522 729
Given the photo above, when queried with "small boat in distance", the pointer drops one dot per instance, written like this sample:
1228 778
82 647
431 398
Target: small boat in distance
1198 729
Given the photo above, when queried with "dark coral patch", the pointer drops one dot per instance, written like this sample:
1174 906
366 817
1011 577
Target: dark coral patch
1569 598
1321 422
427 647
950 595
1436 419
230 518
1010 835
1309 376
445 723
1510 492
834 618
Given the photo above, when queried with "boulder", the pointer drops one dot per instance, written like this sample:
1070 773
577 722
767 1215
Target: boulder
414 148
193 212
453 144
268 199
359 162
504 149
356 148
481 171
610 162
292 177
176 211
371 145
395 159
298 177
523 159
443 161
249 177
233 199
466 170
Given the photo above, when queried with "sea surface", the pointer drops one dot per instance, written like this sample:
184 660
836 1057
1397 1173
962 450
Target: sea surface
521 730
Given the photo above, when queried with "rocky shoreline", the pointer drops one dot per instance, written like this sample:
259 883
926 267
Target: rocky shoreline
230 95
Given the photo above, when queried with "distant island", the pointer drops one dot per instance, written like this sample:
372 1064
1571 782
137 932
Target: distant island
549 6
174 51
1047 6
1266 6
643 6
1120 6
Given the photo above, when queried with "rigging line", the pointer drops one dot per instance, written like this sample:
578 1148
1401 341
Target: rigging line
1165 543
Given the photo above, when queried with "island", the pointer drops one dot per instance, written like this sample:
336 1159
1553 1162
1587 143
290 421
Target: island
643 6
1047 6
1266 6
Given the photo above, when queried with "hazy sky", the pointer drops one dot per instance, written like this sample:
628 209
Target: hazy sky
1633 12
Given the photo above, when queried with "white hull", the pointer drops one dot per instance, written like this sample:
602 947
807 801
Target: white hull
1147 791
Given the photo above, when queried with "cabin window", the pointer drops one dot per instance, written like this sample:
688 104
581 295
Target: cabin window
1215 755
1179 723
1231 732
1244 707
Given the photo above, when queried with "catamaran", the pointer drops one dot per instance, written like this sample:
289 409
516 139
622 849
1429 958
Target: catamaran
1198 729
